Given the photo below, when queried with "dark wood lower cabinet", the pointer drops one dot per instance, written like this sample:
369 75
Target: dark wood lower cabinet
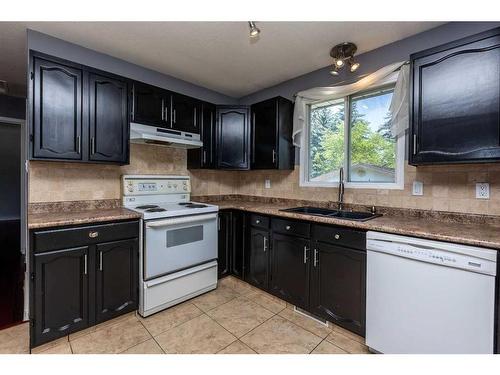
338 279
116 278
224 240
257 269
290 269
74 288
61 293
238 224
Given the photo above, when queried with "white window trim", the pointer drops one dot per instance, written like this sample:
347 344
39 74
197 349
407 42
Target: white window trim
304 161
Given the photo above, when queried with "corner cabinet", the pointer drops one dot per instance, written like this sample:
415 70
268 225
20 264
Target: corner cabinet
81 276
76 113
233 137
455 102
272 146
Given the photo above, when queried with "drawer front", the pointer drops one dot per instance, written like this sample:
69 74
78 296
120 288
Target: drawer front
54 239
259 221
340 236
295 228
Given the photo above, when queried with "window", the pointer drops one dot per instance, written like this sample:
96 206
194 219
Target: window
353 133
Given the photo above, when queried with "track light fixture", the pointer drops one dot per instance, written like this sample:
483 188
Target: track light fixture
254 30
343 54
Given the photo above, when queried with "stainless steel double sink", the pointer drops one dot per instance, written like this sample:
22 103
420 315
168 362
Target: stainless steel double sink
338 214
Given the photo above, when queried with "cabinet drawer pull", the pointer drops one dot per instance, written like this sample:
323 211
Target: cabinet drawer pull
78 145
94 234
85 265
163 110
337 236
288 227
100 260
265 244
414 144
305 254
175 117
257 221
92 146
274 157
315 263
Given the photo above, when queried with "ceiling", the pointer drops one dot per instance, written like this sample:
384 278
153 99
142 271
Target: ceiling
217 55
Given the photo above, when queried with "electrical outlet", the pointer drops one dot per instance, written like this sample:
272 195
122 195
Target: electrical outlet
482 190
418 188
267 184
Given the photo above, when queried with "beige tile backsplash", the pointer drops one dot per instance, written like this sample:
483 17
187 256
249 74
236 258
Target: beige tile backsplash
446 188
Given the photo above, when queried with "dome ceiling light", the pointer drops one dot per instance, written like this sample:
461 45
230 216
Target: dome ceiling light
343 54
254 30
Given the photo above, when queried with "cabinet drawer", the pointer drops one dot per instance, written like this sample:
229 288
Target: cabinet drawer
259 221
296 228
340 236
54 239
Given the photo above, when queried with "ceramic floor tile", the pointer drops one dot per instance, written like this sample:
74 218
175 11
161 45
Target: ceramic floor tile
326 348
241 287
307 323
110 339
280 336
201 335
132 316
170 318
215 298
240 315
15 340
49 345
346 343
347 333
267 301
146 347
237 347
62 348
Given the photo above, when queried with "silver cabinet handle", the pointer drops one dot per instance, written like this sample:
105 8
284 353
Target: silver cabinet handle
163 110
92 145
171 111
204 157
257 221
265 244
94 234
337 236
195 122
288 227
100 260
315 263
78 145
175 117
133 101
305 254
414 144
218 223
274 156
85 266
211 136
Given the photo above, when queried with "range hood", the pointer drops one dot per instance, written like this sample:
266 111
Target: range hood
153 135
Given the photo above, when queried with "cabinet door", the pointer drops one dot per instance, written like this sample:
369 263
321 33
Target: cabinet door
224 240
238 243
186 113
233 133
290 269
257 272
338 280
204 157
456 102
116 278
108 119
60 293
150 105
57 111
264 133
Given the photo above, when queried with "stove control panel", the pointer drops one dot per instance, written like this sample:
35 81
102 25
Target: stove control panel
153 185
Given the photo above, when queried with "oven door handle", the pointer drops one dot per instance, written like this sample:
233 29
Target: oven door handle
180 220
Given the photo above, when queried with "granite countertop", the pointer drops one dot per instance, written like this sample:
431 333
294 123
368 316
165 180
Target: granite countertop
74 213
464 229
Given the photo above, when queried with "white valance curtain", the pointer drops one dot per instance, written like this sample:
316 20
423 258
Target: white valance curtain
398 108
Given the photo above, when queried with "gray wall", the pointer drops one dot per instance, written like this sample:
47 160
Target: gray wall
69 51
373 60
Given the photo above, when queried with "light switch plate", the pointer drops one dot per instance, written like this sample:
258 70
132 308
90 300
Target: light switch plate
267 184
482 190
418 188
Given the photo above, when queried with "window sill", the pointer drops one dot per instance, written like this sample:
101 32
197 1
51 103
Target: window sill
355 185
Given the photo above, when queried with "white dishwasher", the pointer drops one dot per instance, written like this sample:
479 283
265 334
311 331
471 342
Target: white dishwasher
427 297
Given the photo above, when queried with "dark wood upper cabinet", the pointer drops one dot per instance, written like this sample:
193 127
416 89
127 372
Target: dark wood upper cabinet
60 293
204 157
151 105
233 137
272 146
290 269
185 113
108 119
116 278
455 101
338 279
56 94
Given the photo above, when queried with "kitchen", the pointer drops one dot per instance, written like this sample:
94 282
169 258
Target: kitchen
161 216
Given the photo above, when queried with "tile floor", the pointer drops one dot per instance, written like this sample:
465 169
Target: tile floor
236 318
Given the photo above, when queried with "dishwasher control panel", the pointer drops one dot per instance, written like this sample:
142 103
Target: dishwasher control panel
432 255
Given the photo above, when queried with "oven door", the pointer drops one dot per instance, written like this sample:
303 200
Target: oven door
178 243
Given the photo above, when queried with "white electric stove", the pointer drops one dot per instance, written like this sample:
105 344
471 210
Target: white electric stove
178 253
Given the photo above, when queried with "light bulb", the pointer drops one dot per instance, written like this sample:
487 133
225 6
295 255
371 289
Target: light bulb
339 63
354 65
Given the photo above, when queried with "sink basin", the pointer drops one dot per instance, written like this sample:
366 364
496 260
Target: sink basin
326 212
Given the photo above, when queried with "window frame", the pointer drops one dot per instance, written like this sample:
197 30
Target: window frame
305 162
